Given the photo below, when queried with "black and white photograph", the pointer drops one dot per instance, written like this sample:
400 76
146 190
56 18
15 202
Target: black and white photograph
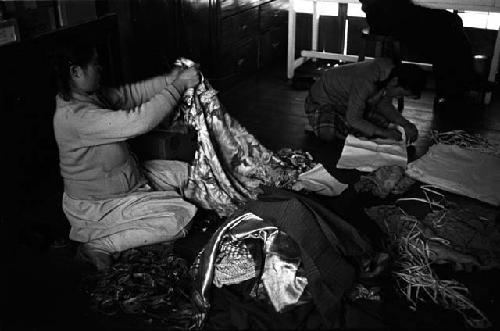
250 164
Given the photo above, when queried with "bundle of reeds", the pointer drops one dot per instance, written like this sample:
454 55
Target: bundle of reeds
465 140
419 282
416 246
149 284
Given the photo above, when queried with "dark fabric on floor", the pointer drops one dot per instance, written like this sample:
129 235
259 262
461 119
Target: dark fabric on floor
331 249
349 206
234 308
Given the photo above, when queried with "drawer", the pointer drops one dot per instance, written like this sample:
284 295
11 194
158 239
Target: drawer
231 7
272 14
239 58
273 45
238 27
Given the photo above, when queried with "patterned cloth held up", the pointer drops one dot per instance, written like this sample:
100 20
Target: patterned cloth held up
230 163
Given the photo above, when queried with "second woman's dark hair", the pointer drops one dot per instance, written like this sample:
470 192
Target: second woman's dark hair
79 53
410 77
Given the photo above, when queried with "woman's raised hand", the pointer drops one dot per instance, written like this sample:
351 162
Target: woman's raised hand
189 77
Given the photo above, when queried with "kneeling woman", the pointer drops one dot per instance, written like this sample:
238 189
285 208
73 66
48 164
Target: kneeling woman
357 98
108 201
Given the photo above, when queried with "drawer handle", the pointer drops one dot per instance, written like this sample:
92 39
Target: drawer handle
240 62
243 27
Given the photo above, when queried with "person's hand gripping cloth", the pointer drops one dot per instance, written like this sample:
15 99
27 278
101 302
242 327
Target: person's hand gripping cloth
369 155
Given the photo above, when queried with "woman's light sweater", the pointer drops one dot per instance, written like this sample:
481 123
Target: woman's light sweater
91 132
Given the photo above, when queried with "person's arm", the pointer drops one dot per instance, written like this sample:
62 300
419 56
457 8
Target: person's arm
359 94
391 114
104 126
132 95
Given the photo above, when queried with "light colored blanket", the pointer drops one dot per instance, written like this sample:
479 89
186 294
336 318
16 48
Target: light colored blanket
369 155
460 171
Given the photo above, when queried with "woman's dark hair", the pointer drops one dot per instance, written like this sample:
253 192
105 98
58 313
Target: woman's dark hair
410 77
66 54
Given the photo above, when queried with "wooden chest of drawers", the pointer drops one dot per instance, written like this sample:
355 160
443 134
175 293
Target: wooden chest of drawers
230 7
273 14
232 38
237 27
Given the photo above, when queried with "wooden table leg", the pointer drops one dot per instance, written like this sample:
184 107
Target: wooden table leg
493 66
291 39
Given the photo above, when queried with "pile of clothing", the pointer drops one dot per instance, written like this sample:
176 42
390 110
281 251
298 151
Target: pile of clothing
277 251
283 253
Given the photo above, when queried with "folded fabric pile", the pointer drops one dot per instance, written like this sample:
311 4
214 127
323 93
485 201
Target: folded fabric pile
244 248
369 155
308 256
319 181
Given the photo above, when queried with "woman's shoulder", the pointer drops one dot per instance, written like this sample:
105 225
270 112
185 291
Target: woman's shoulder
75 108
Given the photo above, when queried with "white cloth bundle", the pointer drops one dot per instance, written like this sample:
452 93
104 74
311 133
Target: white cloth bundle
319 181
369 155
